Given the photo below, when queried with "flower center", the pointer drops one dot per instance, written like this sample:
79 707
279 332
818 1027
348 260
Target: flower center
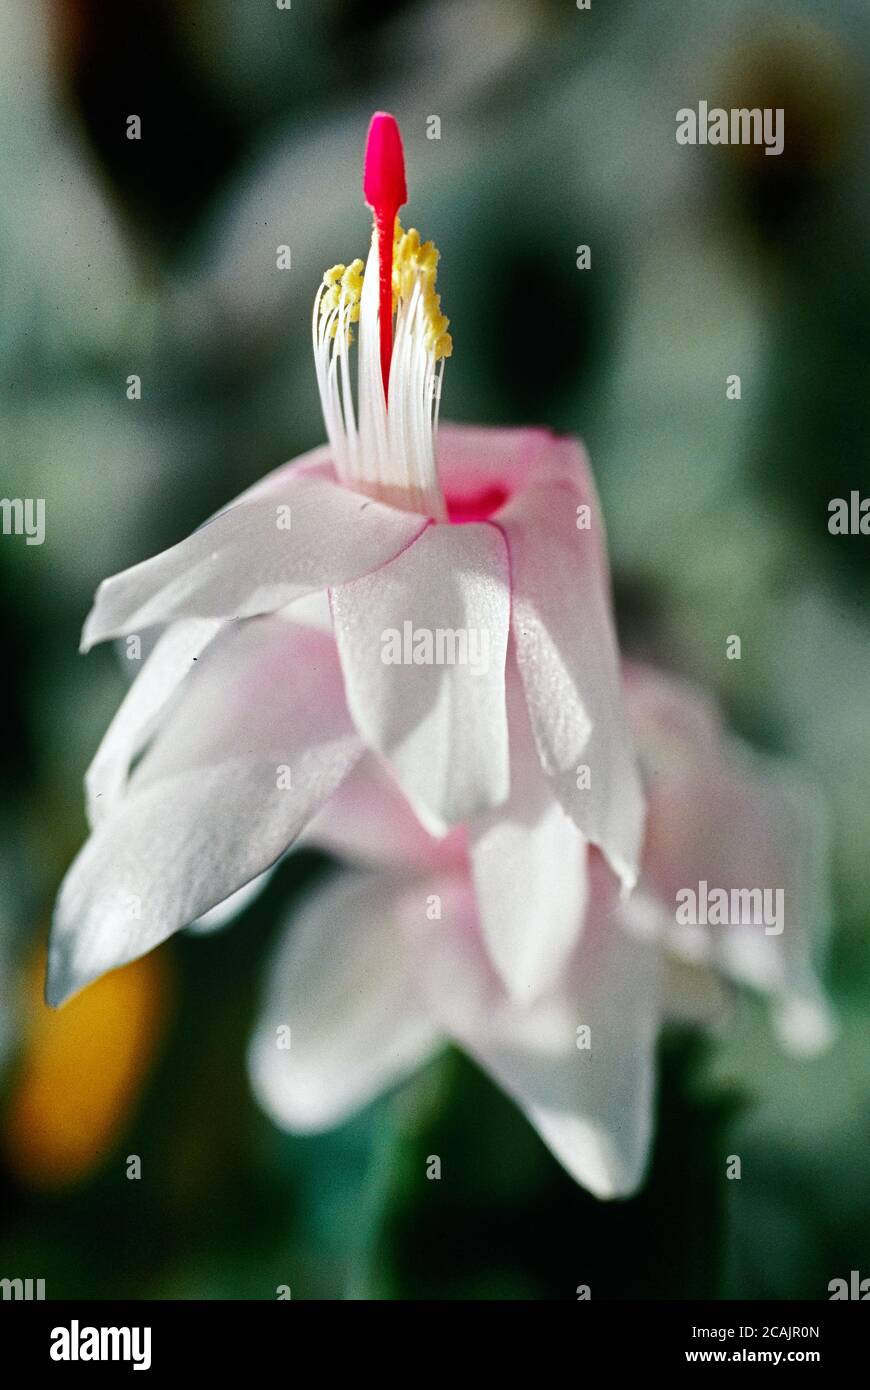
476 506
388 451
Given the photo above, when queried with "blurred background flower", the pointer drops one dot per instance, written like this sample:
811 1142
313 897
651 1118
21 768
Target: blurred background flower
157 258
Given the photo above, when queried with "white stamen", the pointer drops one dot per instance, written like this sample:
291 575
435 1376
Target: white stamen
391 455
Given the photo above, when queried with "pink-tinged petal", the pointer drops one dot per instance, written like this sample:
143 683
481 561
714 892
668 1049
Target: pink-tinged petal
529 866
567 654
725 817
369 821
480 467
342 993
592 1106
209 806
442 726
247 560
171 659
673 722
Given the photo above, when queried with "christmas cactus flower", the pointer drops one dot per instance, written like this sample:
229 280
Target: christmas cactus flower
391 960
445 555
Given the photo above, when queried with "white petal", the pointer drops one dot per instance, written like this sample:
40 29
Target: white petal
722 815
776 835
205 811
805 1025
243 562
593 1108
529 866
369 821
442 726
312 610
453 967
567 655
169 662
226 912
343 984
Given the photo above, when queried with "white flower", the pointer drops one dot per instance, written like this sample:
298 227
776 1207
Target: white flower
493 532
393 959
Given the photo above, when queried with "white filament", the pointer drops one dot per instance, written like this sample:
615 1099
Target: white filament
391 454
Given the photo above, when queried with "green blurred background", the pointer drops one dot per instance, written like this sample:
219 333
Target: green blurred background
158 257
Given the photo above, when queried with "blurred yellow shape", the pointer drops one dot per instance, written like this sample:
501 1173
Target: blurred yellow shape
82 1071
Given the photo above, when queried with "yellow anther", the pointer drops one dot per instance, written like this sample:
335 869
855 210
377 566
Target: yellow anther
409 245
416 262
427 259
352 280
343 288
